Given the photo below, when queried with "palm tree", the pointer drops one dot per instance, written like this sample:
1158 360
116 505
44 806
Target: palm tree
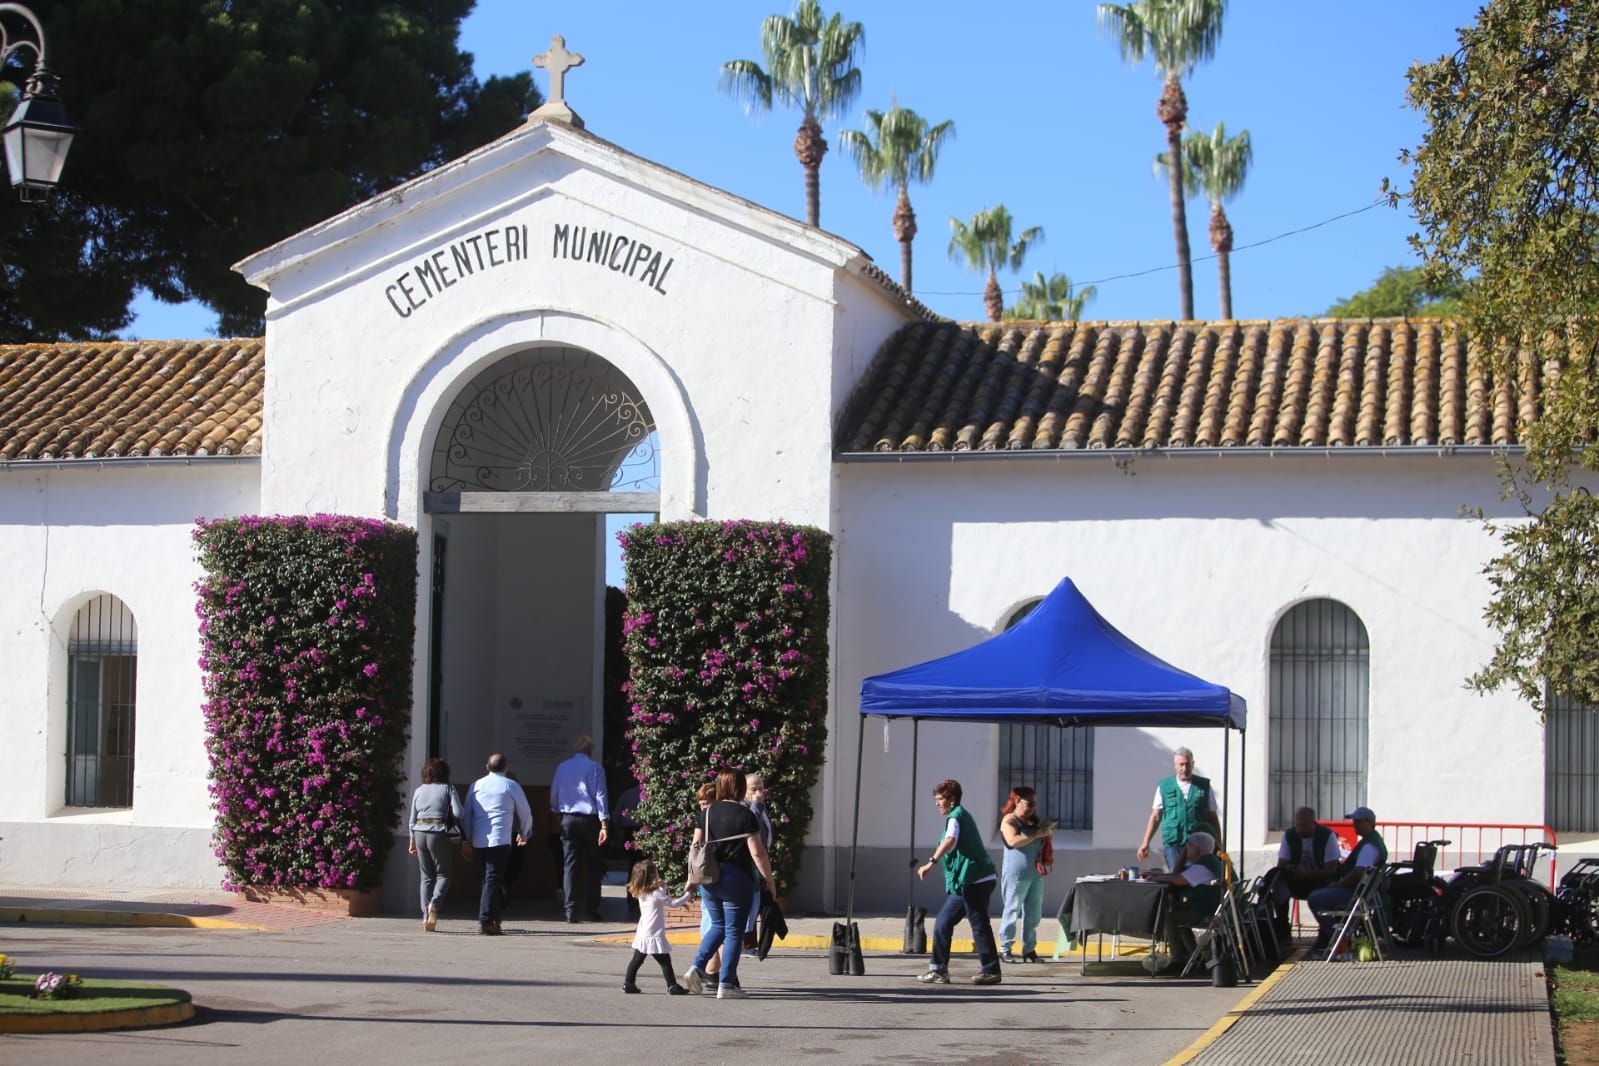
985 243
1177 34
810 62
1052 299
1216 165
896 148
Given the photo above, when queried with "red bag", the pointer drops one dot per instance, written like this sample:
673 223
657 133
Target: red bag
1046 858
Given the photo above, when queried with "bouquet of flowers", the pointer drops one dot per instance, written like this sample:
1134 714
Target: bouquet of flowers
7 966
55 985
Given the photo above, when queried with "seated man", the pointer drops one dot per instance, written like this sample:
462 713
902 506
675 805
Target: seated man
1369 852
1307 859
1195 895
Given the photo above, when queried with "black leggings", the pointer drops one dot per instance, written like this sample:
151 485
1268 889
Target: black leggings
638 960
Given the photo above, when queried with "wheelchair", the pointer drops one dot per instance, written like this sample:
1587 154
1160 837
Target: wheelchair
1489 909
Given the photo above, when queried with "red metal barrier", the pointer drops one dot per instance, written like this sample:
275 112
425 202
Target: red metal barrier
1473 842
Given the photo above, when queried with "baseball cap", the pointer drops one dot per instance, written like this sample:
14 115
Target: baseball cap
1361 814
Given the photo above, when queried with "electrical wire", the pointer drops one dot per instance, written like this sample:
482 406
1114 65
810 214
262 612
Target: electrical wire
1078 286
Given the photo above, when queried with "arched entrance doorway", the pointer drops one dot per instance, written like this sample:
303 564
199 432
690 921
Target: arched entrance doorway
536 461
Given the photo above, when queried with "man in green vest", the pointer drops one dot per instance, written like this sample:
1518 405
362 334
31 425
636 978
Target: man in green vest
1184 803
1369 851
969 880
1196 887
1307 859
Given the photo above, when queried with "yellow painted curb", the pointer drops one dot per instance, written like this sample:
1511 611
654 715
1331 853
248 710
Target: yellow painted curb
157 919
1228 1020
138 1018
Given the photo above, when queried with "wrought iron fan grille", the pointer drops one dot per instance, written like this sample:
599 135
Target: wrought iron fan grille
547 420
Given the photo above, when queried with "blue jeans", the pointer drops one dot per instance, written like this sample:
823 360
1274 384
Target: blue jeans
1330 898
728 902
494 860
1024 906
1174 855
971 904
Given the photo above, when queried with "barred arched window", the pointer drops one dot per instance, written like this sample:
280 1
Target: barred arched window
102 660
1058 763
1320 692
1571 765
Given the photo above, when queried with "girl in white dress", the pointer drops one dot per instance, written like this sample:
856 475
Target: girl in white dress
650 940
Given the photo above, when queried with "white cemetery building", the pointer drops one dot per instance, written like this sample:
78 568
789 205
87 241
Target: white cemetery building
1274 506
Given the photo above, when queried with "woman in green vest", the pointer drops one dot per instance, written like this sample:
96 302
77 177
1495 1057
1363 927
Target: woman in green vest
969 882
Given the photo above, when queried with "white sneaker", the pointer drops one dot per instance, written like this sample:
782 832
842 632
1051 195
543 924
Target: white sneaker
694 981
727 991
934 977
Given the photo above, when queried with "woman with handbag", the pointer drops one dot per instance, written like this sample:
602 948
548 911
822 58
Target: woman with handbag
1027 839
435 829
727 852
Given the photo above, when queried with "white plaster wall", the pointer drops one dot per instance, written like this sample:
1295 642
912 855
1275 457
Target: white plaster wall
65 535
1195 559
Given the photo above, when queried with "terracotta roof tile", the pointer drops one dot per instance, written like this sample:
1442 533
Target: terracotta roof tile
1355 383
129 399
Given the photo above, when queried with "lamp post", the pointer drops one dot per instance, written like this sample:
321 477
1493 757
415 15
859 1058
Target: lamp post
39 132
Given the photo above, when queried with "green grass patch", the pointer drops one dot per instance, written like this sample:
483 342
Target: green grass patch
92 997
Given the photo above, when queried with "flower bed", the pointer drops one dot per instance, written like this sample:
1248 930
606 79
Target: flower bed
307 625
726 637
92 1005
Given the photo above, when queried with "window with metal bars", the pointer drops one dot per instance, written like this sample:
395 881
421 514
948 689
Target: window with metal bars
1571 765
1320 696
1058 763
102 669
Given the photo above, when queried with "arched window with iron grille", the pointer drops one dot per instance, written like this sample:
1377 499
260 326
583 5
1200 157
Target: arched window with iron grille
1320 698
1058 763
102 668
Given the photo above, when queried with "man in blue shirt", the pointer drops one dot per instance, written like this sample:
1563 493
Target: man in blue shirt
495 807
577 795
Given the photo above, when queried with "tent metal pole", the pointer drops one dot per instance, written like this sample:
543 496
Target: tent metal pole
1226 784
916 737
855 833
1243 787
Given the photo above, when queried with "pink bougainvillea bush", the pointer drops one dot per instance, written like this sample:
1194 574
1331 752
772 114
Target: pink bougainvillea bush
306 631
726 637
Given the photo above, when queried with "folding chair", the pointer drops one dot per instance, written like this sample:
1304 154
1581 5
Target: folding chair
1364 910
1255 908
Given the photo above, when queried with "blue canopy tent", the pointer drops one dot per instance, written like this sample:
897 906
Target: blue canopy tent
1062 665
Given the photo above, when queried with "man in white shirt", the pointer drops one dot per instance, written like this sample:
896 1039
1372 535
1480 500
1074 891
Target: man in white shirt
1184 803
577 796
1307 859
1369 851
495 806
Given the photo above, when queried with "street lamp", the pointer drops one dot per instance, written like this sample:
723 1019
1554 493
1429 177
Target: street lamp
39 131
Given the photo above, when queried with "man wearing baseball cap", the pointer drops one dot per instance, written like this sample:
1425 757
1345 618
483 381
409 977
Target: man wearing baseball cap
1369 851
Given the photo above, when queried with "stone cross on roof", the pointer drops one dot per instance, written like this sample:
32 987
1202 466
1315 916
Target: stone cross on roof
557 61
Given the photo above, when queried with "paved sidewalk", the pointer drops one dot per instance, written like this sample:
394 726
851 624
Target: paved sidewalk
1404 1012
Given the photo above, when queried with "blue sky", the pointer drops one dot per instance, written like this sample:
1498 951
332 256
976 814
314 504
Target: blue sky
1049 121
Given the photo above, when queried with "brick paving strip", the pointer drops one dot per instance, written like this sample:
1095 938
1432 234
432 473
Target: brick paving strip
191 908
1405 1013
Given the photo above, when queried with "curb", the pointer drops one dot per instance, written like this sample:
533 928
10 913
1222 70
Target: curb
84 916
1228 1020
137 1018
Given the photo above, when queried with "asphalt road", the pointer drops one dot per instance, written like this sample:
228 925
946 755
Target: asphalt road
381 991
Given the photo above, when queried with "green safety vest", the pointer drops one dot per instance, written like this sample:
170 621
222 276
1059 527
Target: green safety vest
969 862
1180 817
1375 840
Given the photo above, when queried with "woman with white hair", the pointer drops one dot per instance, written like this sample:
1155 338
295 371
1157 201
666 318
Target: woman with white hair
1195 893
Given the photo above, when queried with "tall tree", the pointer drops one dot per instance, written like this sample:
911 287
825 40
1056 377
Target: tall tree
1216 165
252 120
985 243
810 63
1506 190
1402 292
896 148
1051 299
1177 34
